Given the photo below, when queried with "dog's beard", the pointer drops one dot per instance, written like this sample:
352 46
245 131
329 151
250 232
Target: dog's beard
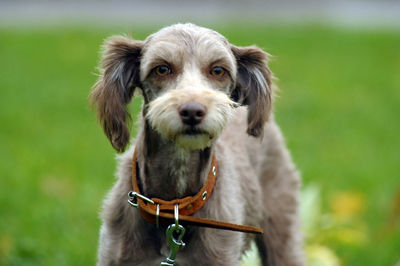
198 141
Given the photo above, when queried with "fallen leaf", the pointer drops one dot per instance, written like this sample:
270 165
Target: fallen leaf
347 204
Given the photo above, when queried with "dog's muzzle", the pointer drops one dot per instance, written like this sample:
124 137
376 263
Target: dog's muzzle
191 119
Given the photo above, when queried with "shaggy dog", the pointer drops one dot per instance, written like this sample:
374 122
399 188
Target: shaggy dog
202 97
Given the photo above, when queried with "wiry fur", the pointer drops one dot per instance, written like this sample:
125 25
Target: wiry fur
257 183
165 119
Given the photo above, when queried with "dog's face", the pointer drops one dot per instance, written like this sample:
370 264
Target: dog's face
191 79
187 76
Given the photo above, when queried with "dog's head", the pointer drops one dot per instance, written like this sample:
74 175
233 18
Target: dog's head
191 79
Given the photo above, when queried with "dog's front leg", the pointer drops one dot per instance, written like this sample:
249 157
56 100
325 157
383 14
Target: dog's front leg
107 248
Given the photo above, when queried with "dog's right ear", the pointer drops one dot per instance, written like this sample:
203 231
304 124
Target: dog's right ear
113 90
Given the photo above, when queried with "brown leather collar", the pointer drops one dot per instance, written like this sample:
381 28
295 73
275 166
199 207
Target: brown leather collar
158 211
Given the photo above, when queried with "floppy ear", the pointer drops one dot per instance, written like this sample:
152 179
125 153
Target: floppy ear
253 86
113 90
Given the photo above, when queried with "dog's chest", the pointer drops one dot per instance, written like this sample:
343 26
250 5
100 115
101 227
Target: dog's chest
153 241
179 169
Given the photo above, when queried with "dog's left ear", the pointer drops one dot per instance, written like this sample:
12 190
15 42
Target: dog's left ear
253 86
112 92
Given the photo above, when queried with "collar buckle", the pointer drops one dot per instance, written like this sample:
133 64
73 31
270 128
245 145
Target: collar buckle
133 196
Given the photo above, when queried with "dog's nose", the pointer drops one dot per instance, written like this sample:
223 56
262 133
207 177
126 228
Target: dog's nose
192 113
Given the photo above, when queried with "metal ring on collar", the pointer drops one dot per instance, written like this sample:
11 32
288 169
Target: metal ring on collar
176 214
157 214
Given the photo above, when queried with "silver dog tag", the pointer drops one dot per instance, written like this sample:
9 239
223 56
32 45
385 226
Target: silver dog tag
174 243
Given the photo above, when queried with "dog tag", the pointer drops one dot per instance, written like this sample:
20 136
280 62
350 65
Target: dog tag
174 243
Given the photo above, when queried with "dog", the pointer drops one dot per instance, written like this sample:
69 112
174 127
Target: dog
202 97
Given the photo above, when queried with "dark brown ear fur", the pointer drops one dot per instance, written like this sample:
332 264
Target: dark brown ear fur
114 89
253 86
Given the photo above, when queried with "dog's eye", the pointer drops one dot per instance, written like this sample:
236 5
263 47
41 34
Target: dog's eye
217 71
162 70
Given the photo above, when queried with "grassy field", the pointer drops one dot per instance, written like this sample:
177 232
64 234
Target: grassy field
339 108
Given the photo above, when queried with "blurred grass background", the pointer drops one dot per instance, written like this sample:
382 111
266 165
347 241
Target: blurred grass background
339 109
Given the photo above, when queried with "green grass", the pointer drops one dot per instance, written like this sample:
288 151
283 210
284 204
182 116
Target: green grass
339 108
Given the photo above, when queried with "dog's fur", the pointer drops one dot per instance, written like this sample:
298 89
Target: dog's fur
257 183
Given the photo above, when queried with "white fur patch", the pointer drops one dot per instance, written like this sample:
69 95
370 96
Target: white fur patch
194 142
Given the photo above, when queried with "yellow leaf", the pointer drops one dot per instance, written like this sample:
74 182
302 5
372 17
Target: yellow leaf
352 236
321 256
6 245
347 204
